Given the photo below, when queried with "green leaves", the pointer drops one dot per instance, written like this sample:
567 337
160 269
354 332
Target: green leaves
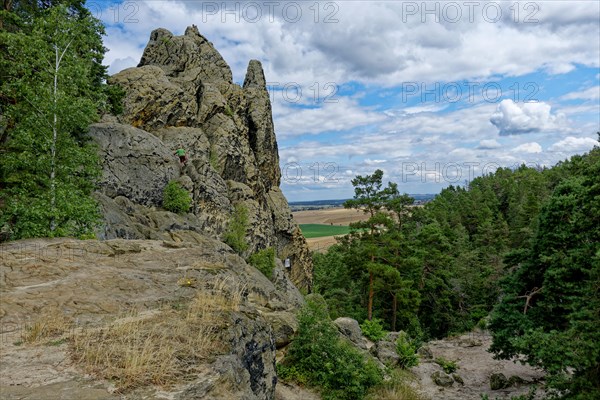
50 94
236 230
176 199
551 310
318 356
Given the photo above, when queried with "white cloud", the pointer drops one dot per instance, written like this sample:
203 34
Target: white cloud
513 119
383 46
343 115
592 93
531 147
489 144
573 144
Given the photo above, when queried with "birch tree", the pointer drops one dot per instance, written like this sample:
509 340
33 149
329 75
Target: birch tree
51 95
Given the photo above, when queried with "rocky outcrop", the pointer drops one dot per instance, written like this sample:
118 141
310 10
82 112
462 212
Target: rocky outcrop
98 283
350 329
386 352
182 95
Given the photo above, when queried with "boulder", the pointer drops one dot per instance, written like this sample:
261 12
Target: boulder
425 353
442 379
350 329
284 325
386 352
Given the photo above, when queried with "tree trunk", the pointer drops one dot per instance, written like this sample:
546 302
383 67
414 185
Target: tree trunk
394 309
53 147
58 61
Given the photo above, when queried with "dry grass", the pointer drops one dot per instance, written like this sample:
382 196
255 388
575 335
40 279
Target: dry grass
162 348
397 388
51 324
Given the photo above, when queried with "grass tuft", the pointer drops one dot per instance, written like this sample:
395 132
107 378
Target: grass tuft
398 387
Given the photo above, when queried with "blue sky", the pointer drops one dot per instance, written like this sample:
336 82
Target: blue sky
433 93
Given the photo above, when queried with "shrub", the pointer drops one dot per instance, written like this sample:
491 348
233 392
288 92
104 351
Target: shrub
448 366
264 261
406 349
318 356
235 236
176 199
373 329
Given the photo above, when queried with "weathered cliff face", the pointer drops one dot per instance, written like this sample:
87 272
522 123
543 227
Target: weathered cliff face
182 95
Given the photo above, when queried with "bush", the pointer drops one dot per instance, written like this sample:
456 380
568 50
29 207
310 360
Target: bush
448 366
373 329
235 236
176 199
264 261
406 349
318 356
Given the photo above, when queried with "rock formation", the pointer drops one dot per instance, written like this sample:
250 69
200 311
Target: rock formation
182 95
99 285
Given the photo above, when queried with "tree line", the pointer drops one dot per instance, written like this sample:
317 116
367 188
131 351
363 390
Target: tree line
516 251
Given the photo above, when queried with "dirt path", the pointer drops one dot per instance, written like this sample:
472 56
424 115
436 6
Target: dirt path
475 366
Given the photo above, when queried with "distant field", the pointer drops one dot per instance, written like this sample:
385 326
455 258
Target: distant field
327 223
328 216
319 230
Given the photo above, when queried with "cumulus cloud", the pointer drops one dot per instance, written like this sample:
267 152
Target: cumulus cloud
513 119
386 45
489 144
573 144
343 114
531 147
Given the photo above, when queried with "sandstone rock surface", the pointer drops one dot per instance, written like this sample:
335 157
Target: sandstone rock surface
95 283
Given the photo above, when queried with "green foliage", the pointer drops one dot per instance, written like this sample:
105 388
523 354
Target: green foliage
333 279
319 357
115 95
51 91
176 199
236 230
373 329
320 230
407 349
449 366
264 261
550 311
